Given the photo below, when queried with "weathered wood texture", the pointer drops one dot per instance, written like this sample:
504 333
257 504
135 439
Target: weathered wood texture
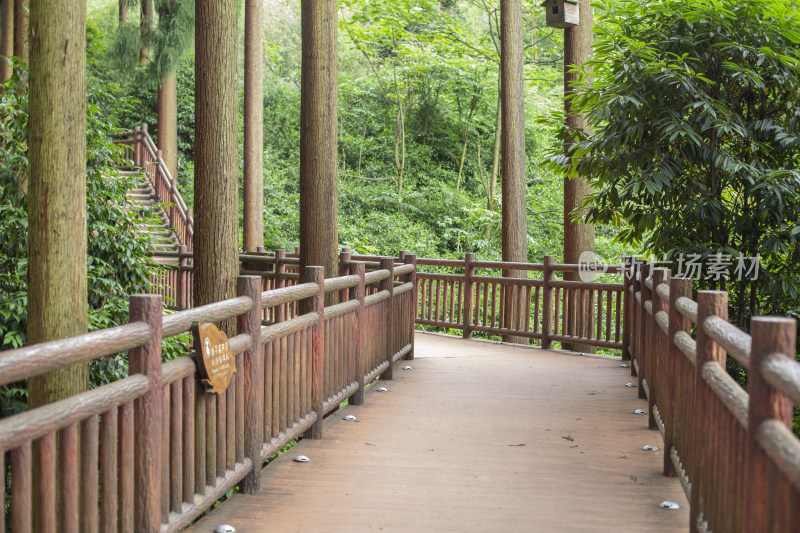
253 194
514 197
57 295
601 477
319 206
216 179
732 449
6 38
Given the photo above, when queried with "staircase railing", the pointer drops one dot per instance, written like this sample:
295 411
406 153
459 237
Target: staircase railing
143 152
733 449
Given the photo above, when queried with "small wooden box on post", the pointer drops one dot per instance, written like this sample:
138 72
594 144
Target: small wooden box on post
387 263
561 13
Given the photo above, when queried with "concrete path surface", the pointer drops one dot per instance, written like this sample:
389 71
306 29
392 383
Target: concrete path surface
478 436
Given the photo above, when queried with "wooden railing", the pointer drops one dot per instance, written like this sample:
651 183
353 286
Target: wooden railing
546 308
733 449
140 149
153 451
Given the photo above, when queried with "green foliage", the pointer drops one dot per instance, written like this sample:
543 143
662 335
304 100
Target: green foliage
118 255
696 144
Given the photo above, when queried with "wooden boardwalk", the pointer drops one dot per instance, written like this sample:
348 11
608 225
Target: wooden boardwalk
477 437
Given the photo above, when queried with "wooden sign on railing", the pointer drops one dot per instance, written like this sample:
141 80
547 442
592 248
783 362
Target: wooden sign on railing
216 363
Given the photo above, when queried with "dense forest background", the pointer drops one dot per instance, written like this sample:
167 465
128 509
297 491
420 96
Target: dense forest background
418 100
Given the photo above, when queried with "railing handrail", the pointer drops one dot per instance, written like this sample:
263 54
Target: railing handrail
172 490
685 380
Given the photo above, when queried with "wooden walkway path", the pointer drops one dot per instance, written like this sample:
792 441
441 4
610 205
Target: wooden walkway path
477 437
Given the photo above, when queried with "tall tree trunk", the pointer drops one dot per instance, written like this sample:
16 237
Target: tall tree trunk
216 182
253 230
515 226
168 122
123 11
57 294
578 237
146 30
21 29
6 39
319 204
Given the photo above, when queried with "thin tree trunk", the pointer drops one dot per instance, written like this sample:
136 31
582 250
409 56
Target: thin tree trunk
253 217
319 205
496 157
168 122
146 29
123 11
515 232
57 294
21 29
492 190
216 182
6 39
578 237
463 155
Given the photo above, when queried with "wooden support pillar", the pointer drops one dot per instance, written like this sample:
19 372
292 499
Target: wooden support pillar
657 349
411 259
627 311
709 303
148 413
387 263
773 338
469 299
547 301
316 304
678 288
359 331
278 282
253 375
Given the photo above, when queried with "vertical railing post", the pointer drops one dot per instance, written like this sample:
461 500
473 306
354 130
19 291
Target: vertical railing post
344 270
387 263
547 301
469 272
645 321
143 154
277 283
658 350
148 409
137 145
636 316
627 298
678 288
182 277
411 259
359 335
772 337
316 304
253 374
709 303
